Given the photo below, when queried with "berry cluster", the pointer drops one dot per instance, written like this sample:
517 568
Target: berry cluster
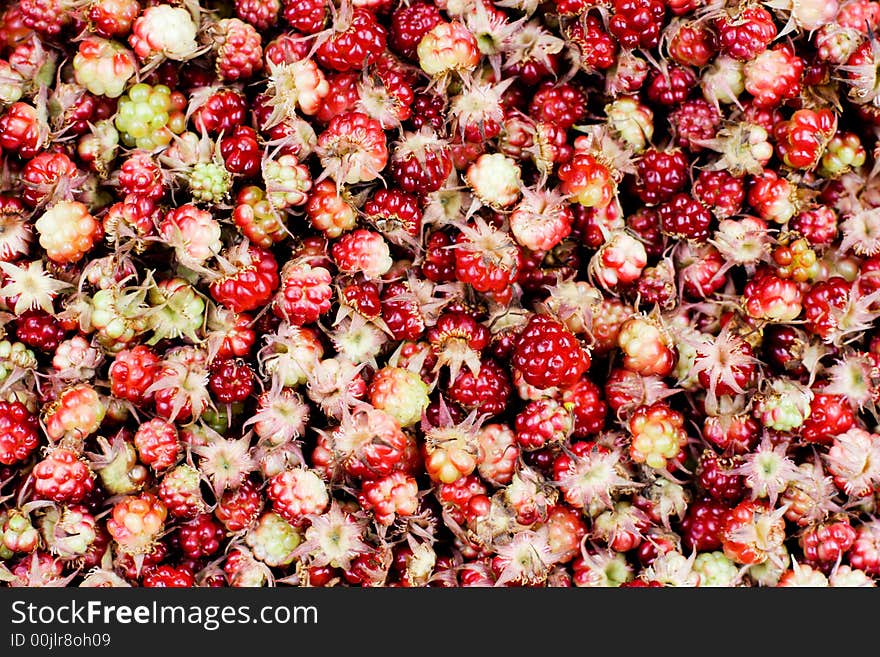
405 293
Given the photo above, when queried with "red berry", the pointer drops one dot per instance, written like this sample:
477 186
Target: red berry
824 304
744 35
395 214
63 477
548 355
830 415
561 104
684 217
421 162
113 18
428 110
222 111
306 16
242 153
817 225
167 576
21 130
542 422
231 380
772 298
695 122
596 47
801 140
692 43
637 23
39 330
19 432
200 537
262 14
824 545
296 494
238 49
487 259
158 444
353 46
180 491
720 191
671 86
702 525
716 479
488 392
660 174
237 509
249 281
400 312
132 372
409 23
45 16
588 407
305 293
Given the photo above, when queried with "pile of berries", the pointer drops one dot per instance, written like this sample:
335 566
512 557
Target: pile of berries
465 293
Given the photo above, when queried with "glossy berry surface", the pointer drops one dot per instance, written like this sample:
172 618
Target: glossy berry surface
420 293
